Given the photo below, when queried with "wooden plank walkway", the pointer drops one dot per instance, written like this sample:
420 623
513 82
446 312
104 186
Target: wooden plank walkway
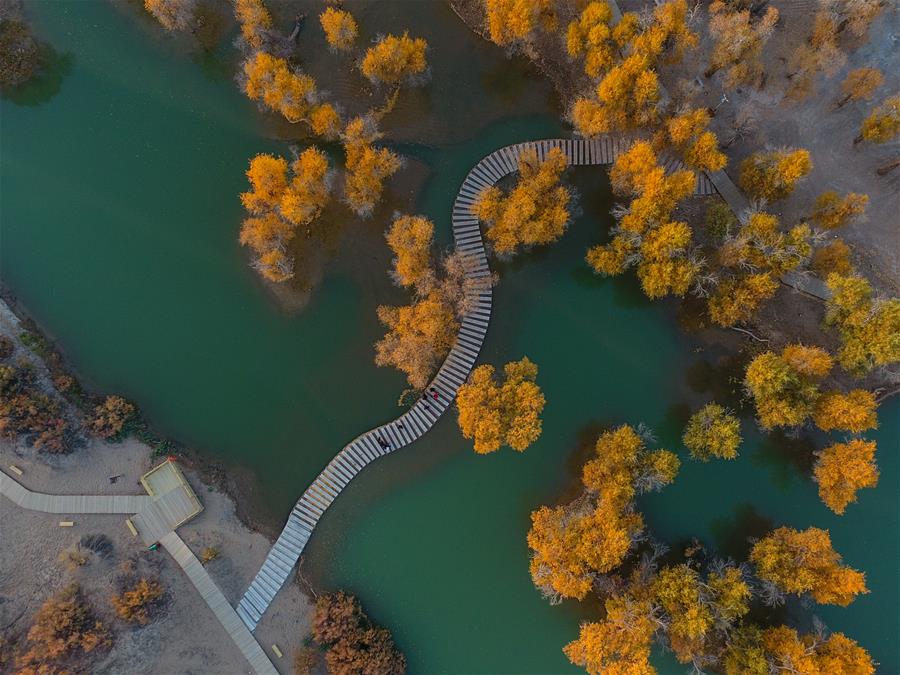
213 597
410 426
38 501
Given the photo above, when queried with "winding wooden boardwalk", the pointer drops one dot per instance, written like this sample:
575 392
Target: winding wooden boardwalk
456 368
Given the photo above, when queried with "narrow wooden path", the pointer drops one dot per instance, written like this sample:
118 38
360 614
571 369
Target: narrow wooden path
38 501
456 368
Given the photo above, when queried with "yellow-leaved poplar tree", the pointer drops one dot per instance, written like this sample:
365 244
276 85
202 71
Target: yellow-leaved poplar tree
804 562
395 60
773 175
254 20
833 258
785 387
739 42
340 28
842 469
536 210
832 211
410 238
712 431
698 146
418 337
883 124
853 411
367 166
618 643
860 85
508 413
511 22
869 327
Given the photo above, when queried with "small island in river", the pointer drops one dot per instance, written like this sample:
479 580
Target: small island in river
462 336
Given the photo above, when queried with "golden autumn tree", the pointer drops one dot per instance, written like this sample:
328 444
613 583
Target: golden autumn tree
275 85
254 20
860 84
593 37
644 236
64 627
750 261
494 414
712 431
278 203
819 53
842 469
173 14
804 562
869 327
511 22
854 15
832 211
773 175
695 610
410 239
536 210
833 258
396 60
698 146
137 604
752 650
619 643
739 43
593 535
418 337
367 166
785 387
340 28
883 124
853 411
626 98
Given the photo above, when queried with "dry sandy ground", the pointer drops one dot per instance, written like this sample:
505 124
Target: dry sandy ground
186 638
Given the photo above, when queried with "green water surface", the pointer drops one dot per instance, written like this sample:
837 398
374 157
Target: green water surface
119 173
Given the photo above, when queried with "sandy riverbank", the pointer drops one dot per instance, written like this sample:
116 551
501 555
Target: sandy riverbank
186 636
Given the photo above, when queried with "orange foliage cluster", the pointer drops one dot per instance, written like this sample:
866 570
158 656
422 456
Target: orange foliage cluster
271 81
110 417
511 22
25 411
739 42
65 628
254 20
832 211
410 239
367 166
804 562
340 28
750 262
883 124
644 235
279 203
842 470
819 53
136 605
355 645
535 212
773 175
833 258
869 327
571 544
172 14
395 60
698 146
419 337
628 94
501 414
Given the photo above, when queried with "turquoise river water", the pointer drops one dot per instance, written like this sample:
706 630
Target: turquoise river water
119 177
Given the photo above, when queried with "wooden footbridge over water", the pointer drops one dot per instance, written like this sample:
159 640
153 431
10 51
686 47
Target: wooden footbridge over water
420 417
156 518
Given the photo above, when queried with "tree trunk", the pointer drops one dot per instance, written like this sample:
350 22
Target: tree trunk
885 169
297 26
843 101
858 140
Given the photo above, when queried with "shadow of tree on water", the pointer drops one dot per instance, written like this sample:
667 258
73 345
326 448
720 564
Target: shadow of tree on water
732 533
785 457
46 83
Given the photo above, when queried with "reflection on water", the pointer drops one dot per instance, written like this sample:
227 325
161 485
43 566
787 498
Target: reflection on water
786 458
733 533
46 83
